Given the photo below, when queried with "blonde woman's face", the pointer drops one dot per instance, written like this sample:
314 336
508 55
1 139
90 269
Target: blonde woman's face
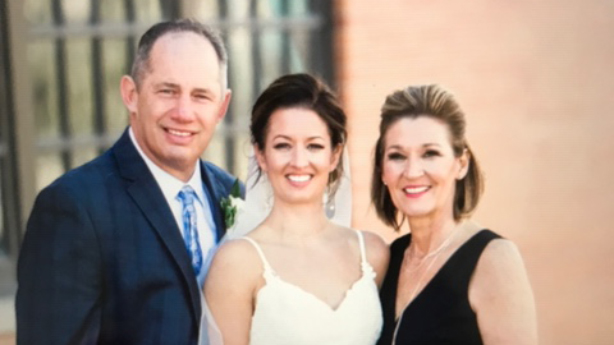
419 167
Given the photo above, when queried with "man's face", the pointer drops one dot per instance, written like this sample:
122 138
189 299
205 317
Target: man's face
179 103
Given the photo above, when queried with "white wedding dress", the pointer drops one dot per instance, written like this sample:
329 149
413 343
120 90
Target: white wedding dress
285 313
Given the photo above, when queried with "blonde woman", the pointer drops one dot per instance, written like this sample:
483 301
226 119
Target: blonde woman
450 281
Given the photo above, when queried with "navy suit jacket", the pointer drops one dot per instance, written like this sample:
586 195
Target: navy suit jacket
103 261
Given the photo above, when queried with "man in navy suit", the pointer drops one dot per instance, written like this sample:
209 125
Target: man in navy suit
105 258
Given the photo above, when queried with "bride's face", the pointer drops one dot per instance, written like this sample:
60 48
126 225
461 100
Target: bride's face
298 155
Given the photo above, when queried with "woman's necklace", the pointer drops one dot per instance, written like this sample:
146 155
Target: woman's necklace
434 254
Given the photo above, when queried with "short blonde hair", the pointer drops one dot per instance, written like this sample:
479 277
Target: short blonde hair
432 101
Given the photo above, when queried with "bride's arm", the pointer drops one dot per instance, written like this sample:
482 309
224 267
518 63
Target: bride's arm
230 287
378 255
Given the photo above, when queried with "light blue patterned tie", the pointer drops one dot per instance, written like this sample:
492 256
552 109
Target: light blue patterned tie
190 232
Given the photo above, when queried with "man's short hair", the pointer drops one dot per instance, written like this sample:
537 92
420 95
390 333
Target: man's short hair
140 66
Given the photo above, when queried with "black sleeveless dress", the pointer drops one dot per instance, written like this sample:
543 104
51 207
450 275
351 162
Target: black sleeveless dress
440 313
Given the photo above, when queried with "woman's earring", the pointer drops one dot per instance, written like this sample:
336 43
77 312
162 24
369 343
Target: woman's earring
329 204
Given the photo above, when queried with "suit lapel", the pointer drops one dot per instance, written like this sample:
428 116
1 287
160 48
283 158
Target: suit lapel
146 193
215 192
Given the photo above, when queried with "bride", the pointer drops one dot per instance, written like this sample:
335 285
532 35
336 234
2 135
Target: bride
298 277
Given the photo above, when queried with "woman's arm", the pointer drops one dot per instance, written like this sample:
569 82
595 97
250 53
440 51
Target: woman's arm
378 255
232 282
502 298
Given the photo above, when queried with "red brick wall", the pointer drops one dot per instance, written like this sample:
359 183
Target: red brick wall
536 79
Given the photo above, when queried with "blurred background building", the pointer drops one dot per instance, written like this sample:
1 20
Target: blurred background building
535 79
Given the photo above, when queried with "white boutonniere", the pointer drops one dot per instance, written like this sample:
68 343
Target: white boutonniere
232 205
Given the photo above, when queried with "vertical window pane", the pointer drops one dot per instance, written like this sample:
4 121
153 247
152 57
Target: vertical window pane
238 9
270 42
37 12
148 11
44 89
76 11
115 65
238 42
79 79
241 153
299 50
215 152
298 8
205 10
112 11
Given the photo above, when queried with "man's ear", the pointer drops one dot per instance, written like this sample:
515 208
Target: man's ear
129 93
224 106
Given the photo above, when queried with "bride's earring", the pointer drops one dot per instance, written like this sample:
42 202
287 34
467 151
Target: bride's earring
329 204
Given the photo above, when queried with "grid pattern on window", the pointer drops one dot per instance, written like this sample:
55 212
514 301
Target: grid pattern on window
78 50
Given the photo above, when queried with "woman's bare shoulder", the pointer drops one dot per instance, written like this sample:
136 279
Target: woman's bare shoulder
500 270
236 260
378 254
235 250
375 243
501 294
499 255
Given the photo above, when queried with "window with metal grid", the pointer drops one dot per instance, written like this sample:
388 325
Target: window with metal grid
78 50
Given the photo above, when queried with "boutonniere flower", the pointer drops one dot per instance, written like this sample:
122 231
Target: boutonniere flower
232 205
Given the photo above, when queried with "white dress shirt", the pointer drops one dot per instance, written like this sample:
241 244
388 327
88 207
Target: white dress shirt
171 186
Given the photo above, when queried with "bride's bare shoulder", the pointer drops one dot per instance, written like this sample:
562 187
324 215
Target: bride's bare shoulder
238 261
376 249
373 242
236 252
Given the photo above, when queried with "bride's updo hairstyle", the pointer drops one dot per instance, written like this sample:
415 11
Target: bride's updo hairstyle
435 102
306 92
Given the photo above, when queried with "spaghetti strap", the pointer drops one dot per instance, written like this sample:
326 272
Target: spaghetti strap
265 263
361 243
